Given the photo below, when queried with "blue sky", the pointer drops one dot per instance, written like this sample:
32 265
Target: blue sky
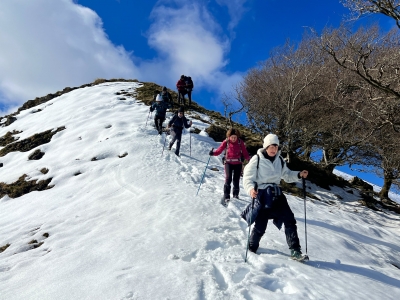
48 45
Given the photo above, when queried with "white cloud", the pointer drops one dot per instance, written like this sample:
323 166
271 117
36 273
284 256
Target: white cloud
48 45
236 10
189 42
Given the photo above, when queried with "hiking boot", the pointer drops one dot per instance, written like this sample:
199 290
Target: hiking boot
225 201
236 196
296 254
252 249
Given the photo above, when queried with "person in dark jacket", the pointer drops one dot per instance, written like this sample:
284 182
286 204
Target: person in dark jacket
267 168
166 96
181 86
235 154
161 108
177 123
189 88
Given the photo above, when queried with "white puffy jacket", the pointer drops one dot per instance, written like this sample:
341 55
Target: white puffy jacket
268 173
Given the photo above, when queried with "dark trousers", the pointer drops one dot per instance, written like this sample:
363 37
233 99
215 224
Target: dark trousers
282 212
181 97
232 171
158 121
176 136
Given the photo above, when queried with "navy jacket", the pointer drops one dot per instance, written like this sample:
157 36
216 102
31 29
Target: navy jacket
161 108
178 124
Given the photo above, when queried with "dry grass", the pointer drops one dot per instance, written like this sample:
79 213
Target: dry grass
22 187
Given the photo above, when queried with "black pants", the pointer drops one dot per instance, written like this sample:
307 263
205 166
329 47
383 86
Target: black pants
232 171
280 211
181 97
176 136
158 121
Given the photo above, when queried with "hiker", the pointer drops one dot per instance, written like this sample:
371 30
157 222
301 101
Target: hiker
181 86
189 88
167 98
235 154
177 123
266 169
161 108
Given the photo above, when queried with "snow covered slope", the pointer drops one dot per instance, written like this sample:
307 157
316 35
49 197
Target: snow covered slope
132 227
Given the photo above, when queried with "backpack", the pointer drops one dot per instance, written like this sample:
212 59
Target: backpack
161 108
189 83
226 150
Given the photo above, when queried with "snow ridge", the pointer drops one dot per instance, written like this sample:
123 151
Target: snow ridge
131 227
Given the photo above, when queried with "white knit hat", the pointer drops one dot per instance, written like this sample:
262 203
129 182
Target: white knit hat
270 139
159 98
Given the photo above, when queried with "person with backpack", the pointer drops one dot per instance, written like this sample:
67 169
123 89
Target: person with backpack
166 96
189 88
177 123
161 109
235 154
181 86
265 170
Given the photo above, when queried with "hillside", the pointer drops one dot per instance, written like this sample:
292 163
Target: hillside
101 212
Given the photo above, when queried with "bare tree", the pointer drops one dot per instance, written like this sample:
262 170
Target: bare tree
390 8
232 105
386 144
274 92
376 60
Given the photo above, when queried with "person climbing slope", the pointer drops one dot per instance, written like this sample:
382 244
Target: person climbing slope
266 170
177 123
235 154
161 109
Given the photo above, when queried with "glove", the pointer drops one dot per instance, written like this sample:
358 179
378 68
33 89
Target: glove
211 152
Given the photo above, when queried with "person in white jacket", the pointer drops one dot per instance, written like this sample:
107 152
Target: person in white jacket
267 168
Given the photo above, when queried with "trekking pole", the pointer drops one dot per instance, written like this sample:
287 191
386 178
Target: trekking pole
203 174
147 118
164 144
305 212
251 215
190 143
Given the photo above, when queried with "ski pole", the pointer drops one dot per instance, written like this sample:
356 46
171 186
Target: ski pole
305 212
164 144
251 215
203 174
190 143
147 118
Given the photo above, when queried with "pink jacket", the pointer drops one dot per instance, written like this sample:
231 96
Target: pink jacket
233 152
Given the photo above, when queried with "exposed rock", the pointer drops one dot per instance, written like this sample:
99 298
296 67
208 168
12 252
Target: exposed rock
36 155
8 138
357 182
44 170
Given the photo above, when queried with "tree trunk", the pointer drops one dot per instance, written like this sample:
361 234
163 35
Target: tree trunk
387 183
329 168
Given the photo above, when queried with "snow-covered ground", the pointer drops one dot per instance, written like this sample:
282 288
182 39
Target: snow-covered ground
393 196
133 227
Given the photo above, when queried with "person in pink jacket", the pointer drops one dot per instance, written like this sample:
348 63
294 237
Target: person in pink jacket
235 154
